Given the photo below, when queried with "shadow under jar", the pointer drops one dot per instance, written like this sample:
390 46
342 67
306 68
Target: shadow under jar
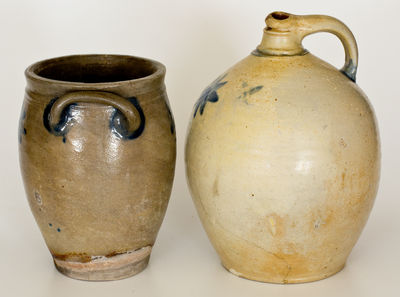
97 154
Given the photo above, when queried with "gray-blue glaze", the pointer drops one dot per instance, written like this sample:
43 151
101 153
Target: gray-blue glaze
350 71
171 118
62 127
21 129
118 122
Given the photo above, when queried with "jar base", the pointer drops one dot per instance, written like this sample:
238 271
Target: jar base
106 268
287 279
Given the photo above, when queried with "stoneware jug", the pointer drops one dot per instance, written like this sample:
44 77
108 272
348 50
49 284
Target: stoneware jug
283 157
97 155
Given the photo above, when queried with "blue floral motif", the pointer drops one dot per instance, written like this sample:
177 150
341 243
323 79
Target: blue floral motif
209 95
21 129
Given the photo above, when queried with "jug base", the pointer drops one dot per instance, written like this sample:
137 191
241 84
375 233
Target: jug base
106 268
288 279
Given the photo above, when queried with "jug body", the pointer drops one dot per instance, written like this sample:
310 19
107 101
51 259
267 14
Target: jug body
283 160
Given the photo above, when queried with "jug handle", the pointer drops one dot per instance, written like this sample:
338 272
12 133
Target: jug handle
132 112
310 24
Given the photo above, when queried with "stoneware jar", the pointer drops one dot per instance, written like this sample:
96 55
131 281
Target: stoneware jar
97 155
283 157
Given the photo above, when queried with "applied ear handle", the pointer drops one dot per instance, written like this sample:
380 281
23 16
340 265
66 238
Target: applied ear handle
130 109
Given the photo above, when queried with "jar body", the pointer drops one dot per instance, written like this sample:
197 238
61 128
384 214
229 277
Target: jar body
98 198
283 167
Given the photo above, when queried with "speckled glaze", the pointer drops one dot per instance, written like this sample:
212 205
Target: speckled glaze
97 155
283 157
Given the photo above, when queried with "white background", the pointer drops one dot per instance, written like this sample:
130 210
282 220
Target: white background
196 40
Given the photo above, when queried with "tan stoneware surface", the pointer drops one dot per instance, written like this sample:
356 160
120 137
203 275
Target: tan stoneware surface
283 157
97 155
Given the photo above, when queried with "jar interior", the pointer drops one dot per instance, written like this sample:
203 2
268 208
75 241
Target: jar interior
95 68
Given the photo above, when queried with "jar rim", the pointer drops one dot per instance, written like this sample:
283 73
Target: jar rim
95 70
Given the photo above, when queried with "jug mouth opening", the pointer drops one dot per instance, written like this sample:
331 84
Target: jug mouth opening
279 15
95 69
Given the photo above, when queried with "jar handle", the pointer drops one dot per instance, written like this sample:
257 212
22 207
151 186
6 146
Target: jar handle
304 25
55 116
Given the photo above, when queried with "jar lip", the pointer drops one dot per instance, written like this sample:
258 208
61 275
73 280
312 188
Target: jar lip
155 69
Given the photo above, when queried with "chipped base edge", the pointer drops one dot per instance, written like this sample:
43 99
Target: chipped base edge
104 269
290 280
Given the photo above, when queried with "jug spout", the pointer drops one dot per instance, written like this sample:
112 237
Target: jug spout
281 36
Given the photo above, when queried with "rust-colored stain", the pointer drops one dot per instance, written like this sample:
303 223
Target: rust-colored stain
287 264
83 257
343 178
251 261
215 187
275 225
73 257
120 252
342 142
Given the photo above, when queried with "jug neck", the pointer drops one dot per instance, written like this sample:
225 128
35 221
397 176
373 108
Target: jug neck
282 36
